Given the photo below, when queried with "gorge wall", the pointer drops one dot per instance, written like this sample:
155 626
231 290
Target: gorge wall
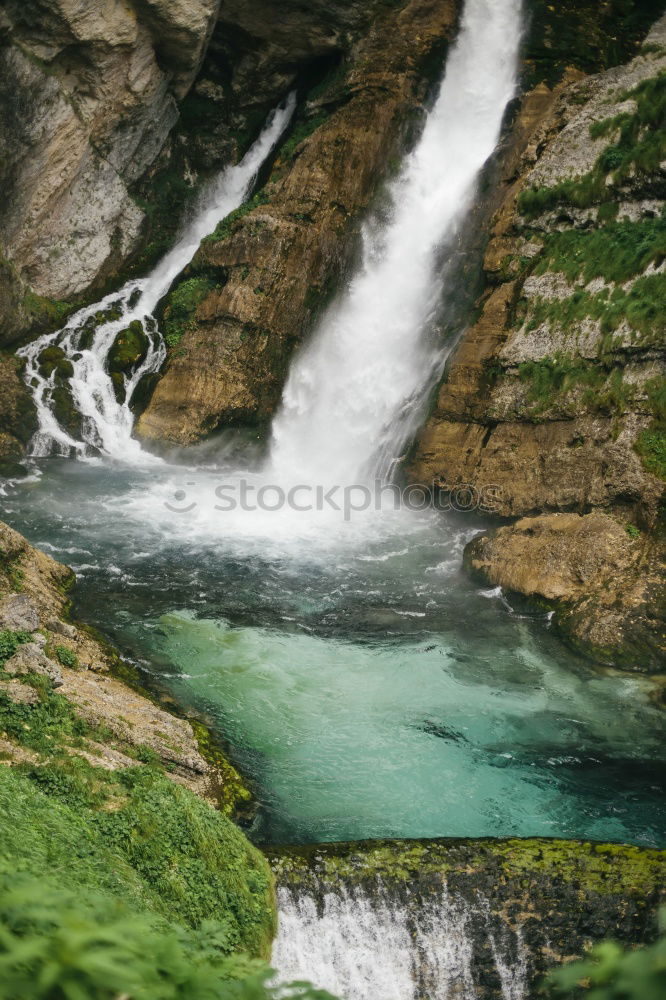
555 396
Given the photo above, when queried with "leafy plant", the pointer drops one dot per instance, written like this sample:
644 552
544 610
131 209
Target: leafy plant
55 945
10 642
610 972
67 657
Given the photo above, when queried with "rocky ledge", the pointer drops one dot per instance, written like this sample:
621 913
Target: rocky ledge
525 905
603 579
57 670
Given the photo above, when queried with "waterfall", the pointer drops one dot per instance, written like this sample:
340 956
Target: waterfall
107 421
362 944
356 394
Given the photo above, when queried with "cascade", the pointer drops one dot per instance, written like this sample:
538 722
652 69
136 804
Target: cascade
107 421
366 943
356 394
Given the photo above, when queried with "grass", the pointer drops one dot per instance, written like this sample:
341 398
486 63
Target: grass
551 379
617 252
640 147
137 835
227 226
643 307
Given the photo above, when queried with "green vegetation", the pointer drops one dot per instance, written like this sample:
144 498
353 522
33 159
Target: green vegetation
641 147
227 226
136 835
617 252
610 972
301 131
600 868
651 442
551 379
10 642
182 305
67 657
46 314
643 306
129 348
633 532
123 883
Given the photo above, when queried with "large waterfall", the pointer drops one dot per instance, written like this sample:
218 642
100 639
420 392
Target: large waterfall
107 422
355 395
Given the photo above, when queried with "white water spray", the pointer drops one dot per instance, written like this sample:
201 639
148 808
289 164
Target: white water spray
106 422
362 946
356 394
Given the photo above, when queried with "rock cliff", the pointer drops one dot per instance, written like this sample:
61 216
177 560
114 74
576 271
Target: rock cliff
555 396
270 266
88 96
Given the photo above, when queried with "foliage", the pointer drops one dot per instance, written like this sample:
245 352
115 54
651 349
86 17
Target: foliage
9 643
610 972
643 306
633 532
55 945
67 657
45 726
227 226
651 442
617 252
183 302
139 836
551 378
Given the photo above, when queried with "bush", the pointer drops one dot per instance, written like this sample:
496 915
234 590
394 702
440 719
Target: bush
55 945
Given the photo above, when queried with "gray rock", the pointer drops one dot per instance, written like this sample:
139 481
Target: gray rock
61 628
19 693
17 612
31 659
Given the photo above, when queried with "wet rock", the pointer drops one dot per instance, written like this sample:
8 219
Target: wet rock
30 658
604 582
18 414
282 258
17 612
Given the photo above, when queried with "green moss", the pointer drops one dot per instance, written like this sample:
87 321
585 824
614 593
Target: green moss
54 359
233 796
182 305
129 348
44 313
651 442
596 868
227 226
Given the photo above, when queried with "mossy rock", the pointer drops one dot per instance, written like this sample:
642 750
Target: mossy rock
65 411
129 349
53 359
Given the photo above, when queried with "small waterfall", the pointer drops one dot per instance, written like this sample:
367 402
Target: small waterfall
356 393
87 338
362 944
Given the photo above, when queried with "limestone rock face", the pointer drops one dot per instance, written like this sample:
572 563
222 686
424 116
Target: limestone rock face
606 584
553 394
276 264
87 93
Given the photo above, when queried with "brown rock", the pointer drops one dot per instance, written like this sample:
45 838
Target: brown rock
606 585
280 261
